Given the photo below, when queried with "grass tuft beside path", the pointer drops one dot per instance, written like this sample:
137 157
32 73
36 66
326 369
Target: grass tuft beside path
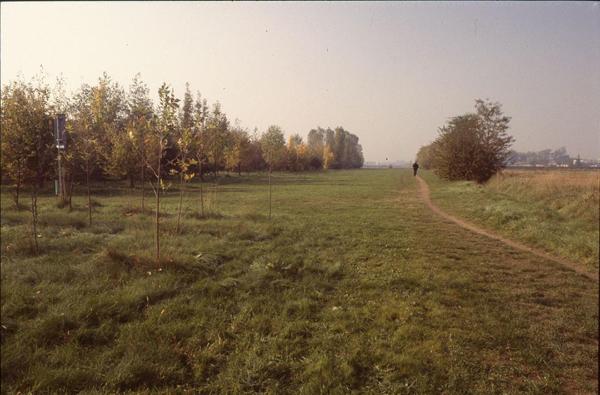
557 210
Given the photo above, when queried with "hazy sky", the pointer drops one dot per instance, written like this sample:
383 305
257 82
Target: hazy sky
392 73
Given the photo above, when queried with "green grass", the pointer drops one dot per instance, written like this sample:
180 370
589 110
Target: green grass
557 211
354 286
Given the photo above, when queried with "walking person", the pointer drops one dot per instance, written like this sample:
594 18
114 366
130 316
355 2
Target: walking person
415 168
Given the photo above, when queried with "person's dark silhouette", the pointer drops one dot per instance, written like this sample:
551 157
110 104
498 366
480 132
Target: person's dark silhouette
415 168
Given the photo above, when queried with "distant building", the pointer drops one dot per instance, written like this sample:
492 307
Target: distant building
398 164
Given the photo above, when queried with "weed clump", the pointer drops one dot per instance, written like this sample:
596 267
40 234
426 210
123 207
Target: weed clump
62 220
53 330
208 215
129 261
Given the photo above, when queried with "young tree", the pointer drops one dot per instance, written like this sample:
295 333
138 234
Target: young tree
68 161
139 117
185 141
26 121
39 140
86 137
122 158
238 150
273 147
216 141
294 160
71 163
98 119
122 119
61 105
216 137
164 125
12 143
109 109
199 145
254 159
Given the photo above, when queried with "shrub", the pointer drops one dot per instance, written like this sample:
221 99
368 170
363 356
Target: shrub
471 146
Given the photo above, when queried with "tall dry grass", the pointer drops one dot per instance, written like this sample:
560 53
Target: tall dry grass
573 192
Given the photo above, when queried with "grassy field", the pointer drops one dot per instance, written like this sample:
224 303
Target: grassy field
354 286
555 210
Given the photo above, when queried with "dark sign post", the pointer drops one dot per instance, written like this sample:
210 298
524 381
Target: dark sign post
61 143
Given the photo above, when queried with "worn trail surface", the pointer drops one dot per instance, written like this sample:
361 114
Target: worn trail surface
424 190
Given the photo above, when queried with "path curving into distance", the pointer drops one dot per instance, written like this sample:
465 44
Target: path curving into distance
424 190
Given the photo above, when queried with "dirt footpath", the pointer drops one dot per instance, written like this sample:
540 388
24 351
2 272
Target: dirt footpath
424 190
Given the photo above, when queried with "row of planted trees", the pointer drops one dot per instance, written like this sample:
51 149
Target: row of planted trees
472 146
118 133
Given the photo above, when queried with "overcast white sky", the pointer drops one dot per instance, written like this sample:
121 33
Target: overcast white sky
392 73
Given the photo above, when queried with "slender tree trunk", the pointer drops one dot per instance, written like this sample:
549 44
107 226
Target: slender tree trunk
143 169
89 194
201 200
34 216
201 187
270 169
158 186
181 184
214 202
157 240
143 186
215 171
17 190
240 169
131 181
61 179
71 192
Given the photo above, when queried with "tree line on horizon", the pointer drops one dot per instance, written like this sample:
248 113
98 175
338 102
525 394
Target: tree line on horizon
112 133
473 146
122 134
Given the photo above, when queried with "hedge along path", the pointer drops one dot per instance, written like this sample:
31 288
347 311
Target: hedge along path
425 194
